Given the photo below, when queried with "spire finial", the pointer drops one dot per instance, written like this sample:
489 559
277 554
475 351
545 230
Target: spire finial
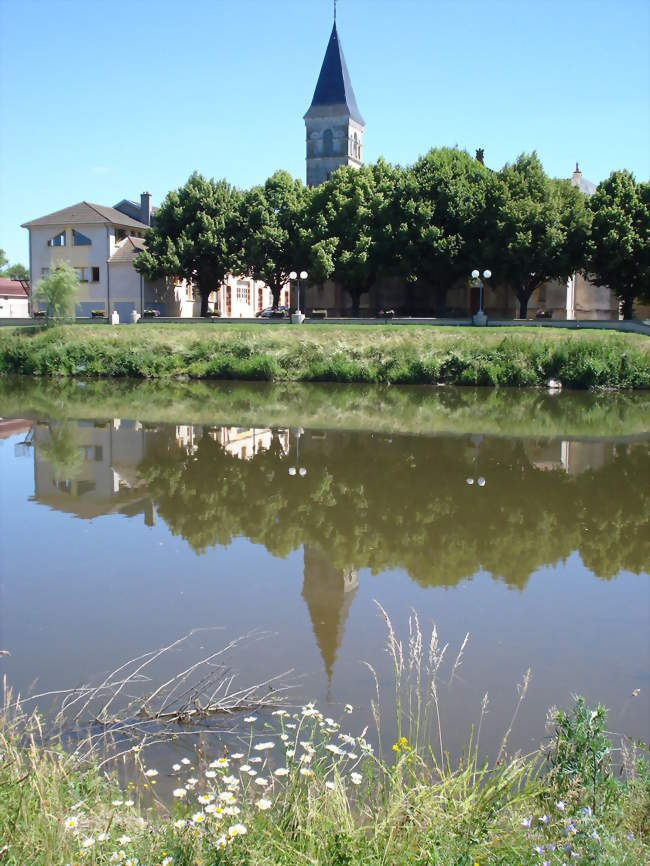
335 11
577 169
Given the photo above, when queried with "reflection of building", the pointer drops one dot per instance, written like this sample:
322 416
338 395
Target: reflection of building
89 468
241 442
328 593
570 456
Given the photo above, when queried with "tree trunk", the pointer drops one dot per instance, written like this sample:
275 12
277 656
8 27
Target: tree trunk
523 297
205 294
627 307
441 301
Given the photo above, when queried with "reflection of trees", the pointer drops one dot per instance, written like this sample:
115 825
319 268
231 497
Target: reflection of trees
370 501
62 450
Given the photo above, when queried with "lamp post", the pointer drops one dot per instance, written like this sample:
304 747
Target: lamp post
299 470
297 318
480 318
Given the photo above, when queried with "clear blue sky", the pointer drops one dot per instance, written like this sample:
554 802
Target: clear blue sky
100 101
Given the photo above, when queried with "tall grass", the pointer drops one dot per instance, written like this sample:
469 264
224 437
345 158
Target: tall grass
347 354
328 797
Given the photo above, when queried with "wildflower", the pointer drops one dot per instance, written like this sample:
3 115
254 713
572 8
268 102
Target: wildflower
263 804
192 782
560 805
231 810
348 708
204 799
595 836
185 761
176 767
291 727
330 785
220 762
305 759
544 819
263 747
210 774
230 780
261 782
227 797
237 756
352 756
291 753
335 750
179 793
71 823
102 837
305 771
167 861
88 842
244 768
132 861
124 840
210 809
526 822
284 737
198 818
546 863
539 849
250 719
281 771
279 713
221 842
117 802
630 836
255 760
252 772
178 825
237 830
116 856
128 802
587 811
356 778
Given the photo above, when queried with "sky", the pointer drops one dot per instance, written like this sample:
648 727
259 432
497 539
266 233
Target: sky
102 101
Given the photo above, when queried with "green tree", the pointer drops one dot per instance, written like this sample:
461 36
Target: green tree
58 291
538 228
619 246
272 229
195 236
442 223
14 272
351 229
4 261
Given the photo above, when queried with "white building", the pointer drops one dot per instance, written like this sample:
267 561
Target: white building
100 243
14 299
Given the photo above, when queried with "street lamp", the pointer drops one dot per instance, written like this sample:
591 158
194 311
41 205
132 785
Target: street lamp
300 470
480 318
480 481
294 276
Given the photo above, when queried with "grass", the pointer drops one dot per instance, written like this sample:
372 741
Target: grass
367 354
335 801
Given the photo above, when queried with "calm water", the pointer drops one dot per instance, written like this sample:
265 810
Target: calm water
119 534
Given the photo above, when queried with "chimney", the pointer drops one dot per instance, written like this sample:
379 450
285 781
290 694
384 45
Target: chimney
576 176
145 207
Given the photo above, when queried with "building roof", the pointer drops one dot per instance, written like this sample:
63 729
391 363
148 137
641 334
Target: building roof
334 88
127 250
85 213
14 288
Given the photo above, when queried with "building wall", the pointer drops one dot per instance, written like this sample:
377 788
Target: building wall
243 297
14 308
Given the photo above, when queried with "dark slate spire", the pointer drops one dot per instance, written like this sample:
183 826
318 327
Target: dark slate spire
334 88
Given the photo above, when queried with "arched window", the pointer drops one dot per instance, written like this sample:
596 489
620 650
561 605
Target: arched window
328 142
356 147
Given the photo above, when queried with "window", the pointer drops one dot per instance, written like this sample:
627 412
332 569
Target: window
328 142
44 272
82 273
57 240
120 234
79 240
243 292
95 275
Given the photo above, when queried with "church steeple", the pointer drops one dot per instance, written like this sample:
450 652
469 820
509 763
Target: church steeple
334 123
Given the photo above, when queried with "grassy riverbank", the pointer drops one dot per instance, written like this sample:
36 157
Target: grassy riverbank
333 803
366 354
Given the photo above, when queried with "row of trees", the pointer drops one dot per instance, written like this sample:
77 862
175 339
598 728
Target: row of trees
13 272
428 224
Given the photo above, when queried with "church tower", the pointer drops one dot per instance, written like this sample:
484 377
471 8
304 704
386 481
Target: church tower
334 123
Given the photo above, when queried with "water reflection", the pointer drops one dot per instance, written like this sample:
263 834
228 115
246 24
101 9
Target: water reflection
365 500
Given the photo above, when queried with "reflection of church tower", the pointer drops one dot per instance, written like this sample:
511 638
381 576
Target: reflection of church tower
334 123
328 593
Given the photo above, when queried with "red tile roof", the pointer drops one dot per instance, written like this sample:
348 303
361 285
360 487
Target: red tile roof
13 288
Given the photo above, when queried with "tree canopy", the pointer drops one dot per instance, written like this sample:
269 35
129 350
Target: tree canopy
619 245
15 271
195 235
58 291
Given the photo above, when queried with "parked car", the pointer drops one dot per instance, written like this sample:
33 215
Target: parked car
273 313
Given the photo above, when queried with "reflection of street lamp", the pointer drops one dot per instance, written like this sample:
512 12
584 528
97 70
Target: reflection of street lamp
294 276
480 480
480 318
301 469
